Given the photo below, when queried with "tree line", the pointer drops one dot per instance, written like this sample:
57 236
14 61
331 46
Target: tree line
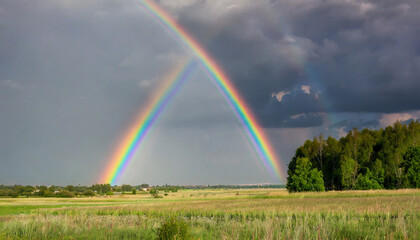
107 189
369 159
67 191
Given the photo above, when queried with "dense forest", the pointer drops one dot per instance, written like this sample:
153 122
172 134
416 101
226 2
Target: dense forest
369 159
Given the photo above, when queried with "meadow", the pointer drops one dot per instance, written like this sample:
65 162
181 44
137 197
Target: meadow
218 214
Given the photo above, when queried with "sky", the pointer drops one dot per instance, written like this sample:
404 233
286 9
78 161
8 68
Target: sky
74 74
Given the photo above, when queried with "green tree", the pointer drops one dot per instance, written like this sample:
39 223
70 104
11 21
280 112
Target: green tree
89 193
378 172
117 188
411 166
42 190
154 192
348 173
345 163
5 192
331 170
65 194
127 188
52 188
47 193
106 188
318 145
305 178
367 181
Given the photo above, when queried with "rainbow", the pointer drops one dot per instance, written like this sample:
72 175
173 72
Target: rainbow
138 131
253 132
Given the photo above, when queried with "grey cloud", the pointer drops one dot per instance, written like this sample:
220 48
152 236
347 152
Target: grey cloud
348 121
84 69
304 120
365 54
78 65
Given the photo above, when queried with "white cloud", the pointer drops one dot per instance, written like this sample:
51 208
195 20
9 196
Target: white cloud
365 7
289 39
279 96
306 89
341 132
391 118
297 116
9 83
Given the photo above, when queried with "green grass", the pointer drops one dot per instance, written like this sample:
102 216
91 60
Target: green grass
26 209
21 209
219 214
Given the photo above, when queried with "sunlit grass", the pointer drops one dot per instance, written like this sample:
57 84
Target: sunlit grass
219 214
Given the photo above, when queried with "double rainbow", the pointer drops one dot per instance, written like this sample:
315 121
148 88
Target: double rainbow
254 133
138 131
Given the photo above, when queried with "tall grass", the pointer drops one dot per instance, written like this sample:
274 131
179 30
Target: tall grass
392 215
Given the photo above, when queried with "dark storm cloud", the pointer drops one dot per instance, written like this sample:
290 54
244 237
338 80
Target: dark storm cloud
75 73
407 122
302 120
363 55
351 121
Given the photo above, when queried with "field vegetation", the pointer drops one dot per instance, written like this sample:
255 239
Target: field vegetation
217 214
387 160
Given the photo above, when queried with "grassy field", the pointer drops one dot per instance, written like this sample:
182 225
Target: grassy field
218 214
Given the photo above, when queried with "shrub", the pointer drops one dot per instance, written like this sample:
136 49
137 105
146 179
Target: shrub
367 181
65 194
109 193
154 192
5 192
174 228
48 194
89 193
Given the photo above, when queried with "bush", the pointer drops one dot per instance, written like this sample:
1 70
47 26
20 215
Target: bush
174 228
154 192
5 192
65 194
48 194
89 193
367 181
109 193
134 191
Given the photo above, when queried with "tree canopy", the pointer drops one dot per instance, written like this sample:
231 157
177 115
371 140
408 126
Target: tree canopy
368 159
305 178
